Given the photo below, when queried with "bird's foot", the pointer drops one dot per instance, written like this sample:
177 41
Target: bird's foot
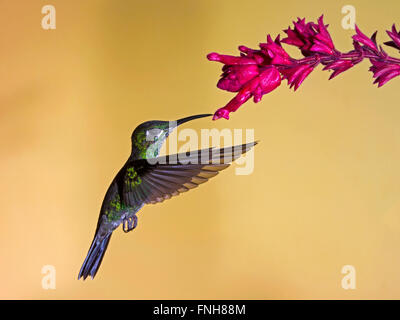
130 223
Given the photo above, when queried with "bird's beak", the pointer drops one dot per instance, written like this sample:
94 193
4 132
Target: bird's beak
183 120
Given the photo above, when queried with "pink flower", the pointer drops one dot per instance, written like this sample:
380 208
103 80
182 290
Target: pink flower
395 36
225 59
256 55
296 74
275 51
338 67
235 76
383 72
267 81
243 95
270 79
301 36
310 37
363 39
322 41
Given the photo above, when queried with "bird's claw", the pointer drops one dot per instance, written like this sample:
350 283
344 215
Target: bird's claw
130 223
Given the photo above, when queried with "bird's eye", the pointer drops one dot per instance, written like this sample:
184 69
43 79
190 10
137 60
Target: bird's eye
153 134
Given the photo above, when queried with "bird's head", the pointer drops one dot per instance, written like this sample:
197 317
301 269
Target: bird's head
148 137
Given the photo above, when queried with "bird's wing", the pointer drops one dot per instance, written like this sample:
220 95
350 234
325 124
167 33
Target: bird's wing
155 180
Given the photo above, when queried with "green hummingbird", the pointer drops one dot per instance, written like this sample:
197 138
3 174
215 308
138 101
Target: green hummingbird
147 178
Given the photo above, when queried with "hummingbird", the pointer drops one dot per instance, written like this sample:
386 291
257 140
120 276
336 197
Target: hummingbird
147 178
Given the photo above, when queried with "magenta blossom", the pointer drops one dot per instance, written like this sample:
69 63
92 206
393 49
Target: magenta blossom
259 71
265 82
295 75
274 50
338 67
310 37
383 72
363 39
235 76
395 36
322 41
269 80
301 36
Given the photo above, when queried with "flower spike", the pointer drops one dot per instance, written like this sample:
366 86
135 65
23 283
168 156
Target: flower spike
257 72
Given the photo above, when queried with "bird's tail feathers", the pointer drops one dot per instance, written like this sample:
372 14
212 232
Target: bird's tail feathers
94 257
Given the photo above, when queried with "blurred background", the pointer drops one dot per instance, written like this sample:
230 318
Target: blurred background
325 191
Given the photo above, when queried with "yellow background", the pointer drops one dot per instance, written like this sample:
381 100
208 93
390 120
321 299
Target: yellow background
326 187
